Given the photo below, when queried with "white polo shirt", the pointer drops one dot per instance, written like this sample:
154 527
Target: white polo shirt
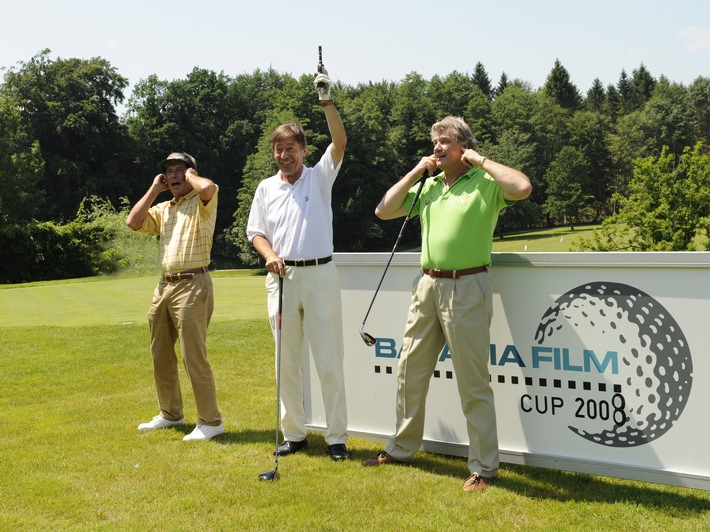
296 219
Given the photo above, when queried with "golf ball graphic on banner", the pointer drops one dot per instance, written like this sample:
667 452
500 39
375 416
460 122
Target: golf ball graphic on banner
629 344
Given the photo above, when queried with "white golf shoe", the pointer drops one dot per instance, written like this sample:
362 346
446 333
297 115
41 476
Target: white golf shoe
159 422
204 432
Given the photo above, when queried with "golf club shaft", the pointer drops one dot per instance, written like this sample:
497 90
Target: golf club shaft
272 474
278 365
396 243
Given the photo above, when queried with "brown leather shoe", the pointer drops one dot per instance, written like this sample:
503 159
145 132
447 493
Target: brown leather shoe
476 483
380 459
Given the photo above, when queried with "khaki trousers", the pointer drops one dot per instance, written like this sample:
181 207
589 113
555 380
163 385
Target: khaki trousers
311 305
182 310
457 312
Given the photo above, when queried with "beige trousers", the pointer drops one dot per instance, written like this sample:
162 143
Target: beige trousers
182 310
457 312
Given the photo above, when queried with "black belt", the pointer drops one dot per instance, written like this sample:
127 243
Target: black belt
187 274
309 262
453 274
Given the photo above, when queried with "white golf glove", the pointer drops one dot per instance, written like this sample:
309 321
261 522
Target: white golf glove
322 83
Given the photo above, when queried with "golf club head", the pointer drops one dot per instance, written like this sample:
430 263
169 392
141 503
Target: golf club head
272 474
367 338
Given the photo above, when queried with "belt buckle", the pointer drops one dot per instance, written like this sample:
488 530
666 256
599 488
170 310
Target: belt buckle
435 272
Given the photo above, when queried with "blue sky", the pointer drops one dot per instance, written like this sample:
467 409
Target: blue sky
369 40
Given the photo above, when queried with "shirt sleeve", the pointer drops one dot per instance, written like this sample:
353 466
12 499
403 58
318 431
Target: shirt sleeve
256 224
326 168
208 210
151 224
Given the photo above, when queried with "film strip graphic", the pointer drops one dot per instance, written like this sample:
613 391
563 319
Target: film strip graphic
542 382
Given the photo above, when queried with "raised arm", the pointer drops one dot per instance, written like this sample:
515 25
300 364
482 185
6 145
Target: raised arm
336 128
205 187
391 204
140 210
515 184
337 131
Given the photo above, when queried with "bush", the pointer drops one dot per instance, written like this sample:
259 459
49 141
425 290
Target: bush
96 242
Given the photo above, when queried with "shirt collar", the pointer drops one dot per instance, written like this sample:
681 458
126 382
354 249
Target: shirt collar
468 175
184 198
284 184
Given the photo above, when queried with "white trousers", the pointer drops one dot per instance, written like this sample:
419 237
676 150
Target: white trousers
312 309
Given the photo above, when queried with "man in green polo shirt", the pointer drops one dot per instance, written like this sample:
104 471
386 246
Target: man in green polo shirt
452 300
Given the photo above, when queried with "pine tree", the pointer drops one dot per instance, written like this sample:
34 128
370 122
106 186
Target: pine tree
559 87
481 79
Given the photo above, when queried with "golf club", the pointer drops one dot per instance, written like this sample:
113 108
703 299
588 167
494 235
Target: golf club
368 338
321 86
273 474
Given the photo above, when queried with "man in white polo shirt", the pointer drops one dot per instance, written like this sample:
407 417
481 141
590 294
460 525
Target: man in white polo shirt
291 227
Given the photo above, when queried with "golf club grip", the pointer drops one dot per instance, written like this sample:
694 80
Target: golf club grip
281 299
320 86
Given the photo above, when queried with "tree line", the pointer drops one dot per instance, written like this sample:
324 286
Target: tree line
590 156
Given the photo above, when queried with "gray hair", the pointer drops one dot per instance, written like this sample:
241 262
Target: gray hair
456 126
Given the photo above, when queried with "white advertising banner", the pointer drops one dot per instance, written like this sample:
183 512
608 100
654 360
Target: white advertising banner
597 361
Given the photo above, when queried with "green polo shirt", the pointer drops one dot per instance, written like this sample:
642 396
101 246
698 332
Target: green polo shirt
458 223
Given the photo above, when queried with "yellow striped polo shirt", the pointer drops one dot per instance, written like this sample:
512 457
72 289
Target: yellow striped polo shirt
186 228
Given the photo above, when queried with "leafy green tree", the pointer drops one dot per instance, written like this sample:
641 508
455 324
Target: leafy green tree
560 88
627 143
68 106
567 179
205 114
21 168
369 167
459 95
515 149
700 97
514 108
479 117
668 207
550 133
590 133
413 113
520 114
450 95
259 165
669 118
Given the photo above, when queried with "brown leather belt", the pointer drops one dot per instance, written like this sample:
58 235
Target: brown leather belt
453 274
309 262
187 274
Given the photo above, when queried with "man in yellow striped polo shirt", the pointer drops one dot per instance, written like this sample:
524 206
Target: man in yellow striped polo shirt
183 301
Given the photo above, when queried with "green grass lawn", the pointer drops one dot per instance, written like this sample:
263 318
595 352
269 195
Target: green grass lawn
239 294
547 240
76 379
